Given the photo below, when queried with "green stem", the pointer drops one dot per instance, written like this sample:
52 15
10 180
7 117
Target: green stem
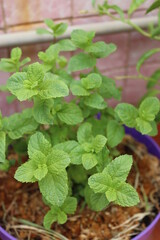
134 77
140 30
130 23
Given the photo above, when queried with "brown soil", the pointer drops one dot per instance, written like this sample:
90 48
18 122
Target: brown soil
23 201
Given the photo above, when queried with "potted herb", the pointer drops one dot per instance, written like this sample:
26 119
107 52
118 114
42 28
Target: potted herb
66 150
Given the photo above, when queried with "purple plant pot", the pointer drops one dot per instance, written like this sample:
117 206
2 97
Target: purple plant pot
154 149
5 236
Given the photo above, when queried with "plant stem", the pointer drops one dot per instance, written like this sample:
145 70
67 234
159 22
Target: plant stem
130 23
133 76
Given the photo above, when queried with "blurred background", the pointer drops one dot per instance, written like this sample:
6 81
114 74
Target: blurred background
25 15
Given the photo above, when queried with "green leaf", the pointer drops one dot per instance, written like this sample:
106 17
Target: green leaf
42 111
134 5
59 29
87 147
61 217
78 90
35 73
43 31
126 195
62 61
149 108
89 160
25 173
104 159
95 101
115 133
50 23
100 182
66 45
92 81
49 218
41 171
73 149
39 158
154 6
25 61
101 49
145 56
127 114
76 155
59 213
16 54
108 88
67 146
111 194
49 57
70 114
99 142
77 173
54 188
84 133
53 89
81 38
19 124
81 61
2 146
143 126
6 66
70 205
19 86
154 130
57 161
52 216
119 167
96 201
38 143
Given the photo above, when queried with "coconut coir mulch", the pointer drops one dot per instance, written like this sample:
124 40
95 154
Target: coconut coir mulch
23 201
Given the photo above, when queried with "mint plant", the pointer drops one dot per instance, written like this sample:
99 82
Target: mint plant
13 63
54 29
71 144
143 118
111 182
152 32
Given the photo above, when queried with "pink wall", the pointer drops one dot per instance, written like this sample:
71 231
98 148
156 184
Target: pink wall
20 15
